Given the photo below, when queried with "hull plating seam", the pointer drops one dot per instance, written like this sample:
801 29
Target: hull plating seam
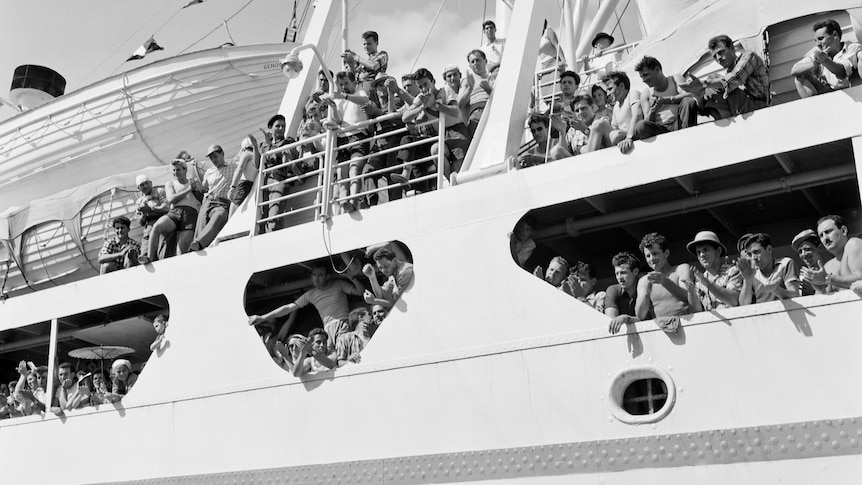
793 441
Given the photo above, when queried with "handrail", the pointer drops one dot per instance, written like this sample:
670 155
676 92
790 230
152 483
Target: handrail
329 166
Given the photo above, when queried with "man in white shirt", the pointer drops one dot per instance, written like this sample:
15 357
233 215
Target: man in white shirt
493 47
620 130
828 65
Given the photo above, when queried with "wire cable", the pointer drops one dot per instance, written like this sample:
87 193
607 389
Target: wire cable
224 22
428 35
122 44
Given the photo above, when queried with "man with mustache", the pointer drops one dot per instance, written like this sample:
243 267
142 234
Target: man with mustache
846 268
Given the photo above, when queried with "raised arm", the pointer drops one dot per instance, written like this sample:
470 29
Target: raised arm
747 271
278 312
173 196
643 303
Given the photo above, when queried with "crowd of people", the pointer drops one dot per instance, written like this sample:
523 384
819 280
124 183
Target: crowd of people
88 385
345 331
611 113
831 261
187 214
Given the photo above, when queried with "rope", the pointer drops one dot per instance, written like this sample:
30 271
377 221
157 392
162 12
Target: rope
328 245
227 29
224 22
484 18
436 16
619 19
5 277
122 44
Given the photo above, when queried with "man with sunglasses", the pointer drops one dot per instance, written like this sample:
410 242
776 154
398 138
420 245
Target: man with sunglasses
544 149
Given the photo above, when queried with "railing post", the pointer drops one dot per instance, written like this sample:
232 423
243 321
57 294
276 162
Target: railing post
441 156
260 198
328 163
52 364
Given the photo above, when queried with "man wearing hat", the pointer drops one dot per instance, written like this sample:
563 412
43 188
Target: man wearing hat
718 285
493 47
812 254
273 179
120 251
151 205
216 205
599 60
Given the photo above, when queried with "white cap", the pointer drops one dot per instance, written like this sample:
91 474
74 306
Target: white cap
141 179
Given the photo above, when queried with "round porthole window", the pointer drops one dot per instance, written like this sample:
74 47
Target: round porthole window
642 395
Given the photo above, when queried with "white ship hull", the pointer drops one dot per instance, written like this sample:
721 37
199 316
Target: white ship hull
481 372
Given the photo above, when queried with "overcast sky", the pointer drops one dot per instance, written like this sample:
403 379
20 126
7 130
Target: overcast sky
89 40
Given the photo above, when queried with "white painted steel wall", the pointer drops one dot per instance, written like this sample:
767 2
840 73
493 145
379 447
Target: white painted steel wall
478 354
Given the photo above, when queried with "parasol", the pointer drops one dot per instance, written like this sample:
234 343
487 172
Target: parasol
100 352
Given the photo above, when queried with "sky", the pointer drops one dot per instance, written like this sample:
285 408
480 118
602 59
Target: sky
89 40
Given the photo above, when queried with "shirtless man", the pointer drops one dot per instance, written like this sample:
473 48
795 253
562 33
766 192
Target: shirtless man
666 107
662 291
828 65
245 174
150 206
846 268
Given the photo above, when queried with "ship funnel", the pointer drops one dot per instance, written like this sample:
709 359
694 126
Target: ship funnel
34 86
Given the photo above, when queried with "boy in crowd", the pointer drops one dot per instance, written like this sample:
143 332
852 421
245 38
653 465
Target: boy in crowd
662 291
321 358
620 298
120 251
764 277
399 274
581 284
812 254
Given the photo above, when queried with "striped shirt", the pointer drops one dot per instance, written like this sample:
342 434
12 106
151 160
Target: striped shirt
749 73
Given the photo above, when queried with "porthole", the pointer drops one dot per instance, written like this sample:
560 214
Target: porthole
641 395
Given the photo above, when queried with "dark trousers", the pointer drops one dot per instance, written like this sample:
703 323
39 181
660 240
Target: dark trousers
685 117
